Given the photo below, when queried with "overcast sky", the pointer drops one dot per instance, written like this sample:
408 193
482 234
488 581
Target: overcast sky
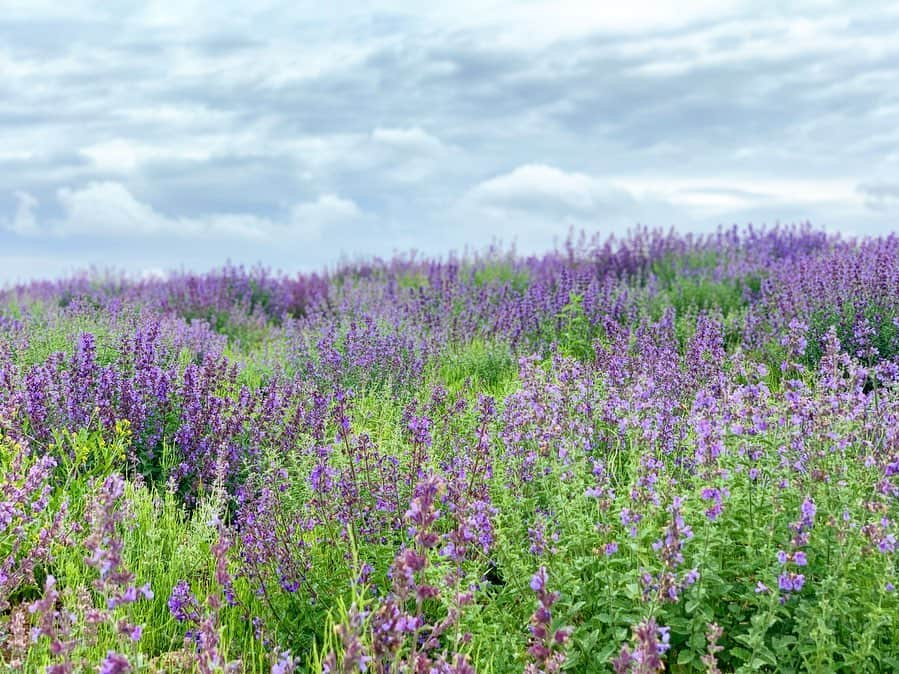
153 135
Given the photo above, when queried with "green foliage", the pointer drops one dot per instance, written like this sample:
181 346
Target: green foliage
489 365
693 294
162 544
59 334
672 267
576 333
571 330
500 273
880 323
412 280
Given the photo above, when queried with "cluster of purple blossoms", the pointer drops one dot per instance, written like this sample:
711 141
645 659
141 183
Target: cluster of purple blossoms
546 649
669 583
28 530
396 632
650 642
790 580
68 628
183 604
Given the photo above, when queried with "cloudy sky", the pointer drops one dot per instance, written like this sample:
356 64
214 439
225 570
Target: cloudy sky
154 135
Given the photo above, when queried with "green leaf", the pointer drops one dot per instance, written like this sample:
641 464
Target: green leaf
697 641
741 653
685 657
783 642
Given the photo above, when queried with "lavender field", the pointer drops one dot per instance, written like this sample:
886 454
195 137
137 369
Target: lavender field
654 453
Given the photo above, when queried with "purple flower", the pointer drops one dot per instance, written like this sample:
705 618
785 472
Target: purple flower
133 632
808 509
545 642
650 643
790 582
183 605
114 663
538 580
286 664
785 581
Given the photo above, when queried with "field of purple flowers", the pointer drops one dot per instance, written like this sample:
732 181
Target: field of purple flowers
656 453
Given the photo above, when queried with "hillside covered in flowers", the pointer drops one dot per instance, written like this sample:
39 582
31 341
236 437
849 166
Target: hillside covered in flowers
661 452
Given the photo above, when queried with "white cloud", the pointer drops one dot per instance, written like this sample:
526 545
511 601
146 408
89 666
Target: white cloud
540 186
397 154
24 221
529 24
414 140
123 156
310 218
50 9
537 205
108 209
406 155
712 195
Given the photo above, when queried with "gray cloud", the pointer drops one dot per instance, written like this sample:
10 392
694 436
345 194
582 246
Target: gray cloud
881 196
405 126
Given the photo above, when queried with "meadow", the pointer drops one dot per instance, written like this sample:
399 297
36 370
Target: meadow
661 452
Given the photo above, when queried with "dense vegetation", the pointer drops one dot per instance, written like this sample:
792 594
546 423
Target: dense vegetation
657 453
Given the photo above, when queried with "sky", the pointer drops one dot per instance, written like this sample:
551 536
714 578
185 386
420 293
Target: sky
158 135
